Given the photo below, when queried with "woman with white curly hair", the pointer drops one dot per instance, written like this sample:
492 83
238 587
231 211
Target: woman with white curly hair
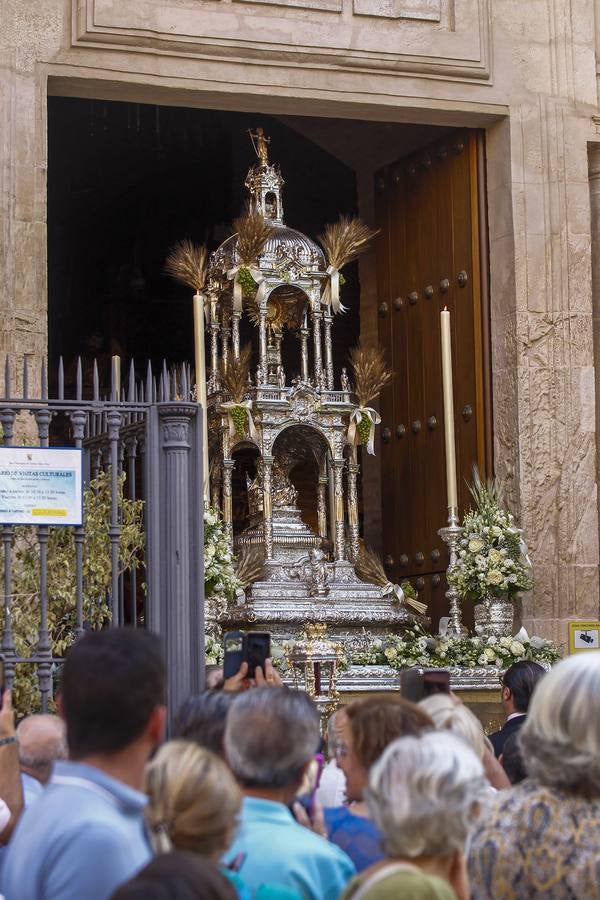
542 838
424 794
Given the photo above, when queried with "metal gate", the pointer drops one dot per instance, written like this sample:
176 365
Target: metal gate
147 434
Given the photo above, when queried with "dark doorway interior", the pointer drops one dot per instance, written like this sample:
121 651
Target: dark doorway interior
128 180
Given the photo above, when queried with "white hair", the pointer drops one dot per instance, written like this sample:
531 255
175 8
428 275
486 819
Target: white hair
270 736
42 740
424 794
451 715
560 740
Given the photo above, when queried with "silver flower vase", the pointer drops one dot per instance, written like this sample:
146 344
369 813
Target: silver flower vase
494 617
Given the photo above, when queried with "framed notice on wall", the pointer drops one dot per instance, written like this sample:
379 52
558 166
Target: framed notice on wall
584 636
41 486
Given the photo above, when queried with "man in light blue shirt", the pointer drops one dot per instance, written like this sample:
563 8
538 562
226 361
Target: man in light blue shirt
32 789
82 838
85 835
271 737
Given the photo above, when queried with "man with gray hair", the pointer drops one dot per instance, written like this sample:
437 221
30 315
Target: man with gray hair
271 737
42 740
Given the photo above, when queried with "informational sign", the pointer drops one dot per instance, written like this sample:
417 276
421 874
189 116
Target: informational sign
584 636
41 486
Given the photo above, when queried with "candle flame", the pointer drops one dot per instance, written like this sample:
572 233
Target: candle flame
445 309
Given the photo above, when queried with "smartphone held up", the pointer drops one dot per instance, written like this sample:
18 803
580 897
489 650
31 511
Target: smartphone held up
251 647
417 683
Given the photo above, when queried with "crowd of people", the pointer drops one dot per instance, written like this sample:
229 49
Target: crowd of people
414 801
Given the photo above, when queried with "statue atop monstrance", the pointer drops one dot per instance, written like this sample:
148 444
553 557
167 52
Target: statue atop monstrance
290 409
261 145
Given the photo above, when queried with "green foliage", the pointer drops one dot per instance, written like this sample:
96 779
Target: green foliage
364 429
239 415
61 578
247 282
408 590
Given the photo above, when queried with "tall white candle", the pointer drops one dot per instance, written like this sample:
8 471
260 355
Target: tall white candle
448 409
200 363
116 377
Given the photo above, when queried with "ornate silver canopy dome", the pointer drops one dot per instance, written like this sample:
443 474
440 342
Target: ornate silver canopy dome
284 249
287 250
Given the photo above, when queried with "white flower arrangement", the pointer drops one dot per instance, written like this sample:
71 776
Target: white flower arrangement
220 580
415 647
492 557
213 651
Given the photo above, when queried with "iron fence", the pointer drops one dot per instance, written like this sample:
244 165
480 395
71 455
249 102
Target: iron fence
146 436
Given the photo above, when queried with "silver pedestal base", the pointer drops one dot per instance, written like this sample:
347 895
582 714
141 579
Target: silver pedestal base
379 679
292 538
353 610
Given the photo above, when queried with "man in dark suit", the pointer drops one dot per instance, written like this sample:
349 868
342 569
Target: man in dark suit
518 683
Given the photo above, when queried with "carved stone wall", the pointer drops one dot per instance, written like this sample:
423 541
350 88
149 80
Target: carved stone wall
524 71
456 37
544 390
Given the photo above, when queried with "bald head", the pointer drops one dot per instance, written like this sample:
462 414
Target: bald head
42 741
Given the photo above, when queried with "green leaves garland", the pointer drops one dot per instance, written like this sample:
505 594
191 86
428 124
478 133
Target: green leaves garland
364 429
239 416
248 284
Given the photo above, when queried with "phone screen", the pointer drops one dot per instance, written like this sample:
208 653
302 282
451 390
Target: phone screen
233 643
257 650
436 681
418 683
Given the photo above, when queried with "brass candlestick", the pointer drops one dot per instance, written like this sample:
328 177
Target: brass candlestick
451 535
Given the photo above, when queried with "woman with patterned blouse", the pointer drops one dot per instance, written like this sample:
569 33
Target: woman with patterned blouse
541 839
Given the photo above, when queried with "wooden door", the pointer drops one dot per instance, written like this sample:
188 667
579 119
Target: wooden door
428 258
